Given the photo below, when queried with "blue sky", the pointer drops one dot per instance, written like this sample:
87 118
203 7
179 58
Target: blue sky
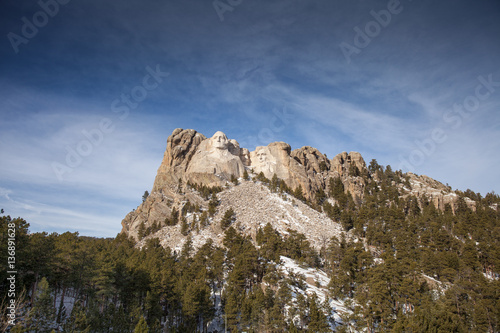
413 84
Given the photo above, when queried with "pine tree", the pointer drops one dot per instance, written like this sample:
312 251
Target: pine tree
153 307
270 243
179 186
196 303
354 170
145 196
292 328
204 219
317 319
227 219
42 316
320 197
212 205
78 320
274 183
337 192
261 177
187 248
104 282
142 326
196 224
184 226
374 166
299 193
141 233
302 309
174 217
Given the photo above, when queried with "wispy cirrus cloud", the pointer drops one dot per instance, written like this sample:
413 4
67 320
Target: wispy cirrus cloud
233 76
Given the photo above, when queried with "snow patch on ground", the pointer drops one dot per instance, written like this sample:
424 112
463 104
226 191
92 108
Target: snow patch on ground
316 282
491 276
255 206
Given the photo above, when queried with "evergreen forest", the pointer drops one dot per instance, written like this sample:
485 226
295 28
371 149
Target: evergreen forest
402 266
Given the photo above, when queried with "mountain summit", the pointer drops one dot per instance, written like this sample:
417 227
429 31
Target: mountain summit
201 178
288 240
191 157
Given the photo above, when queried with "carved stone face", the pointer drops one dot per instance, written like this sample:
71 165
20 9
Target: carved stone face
262 156
263 161
219 140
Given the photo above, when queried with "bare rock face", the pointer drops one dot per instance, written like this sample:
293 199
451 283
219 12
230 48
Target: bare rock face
190 156
436 192
215 161
305 167
341 163
181 146
311 159
156 208
245 156
272 159
345 166
315 165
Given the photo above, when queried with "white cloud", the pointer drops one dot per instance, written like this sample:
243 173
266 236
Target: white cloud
43 217
5 193
100 190
231 75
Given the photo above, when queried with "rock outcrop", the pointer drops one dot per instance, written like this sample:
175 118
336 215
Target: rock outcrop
437 193
216 161
342 163
350 167
300 167
181 146
190 156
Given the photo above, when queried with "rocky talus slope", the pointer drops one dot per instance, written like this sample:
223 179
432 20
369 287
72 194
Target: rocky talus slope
254 206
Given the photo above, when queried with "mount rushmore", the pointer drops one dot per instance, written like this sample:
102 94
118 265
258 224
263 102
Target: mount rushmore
192 158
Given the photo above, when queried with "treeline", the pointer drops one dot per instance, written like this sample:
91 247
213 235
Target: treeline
117 287
256 295
415 268
404 266
419 269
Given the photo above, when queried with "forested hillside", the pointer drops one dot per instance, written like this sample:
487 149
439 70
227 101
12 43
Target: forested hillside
401 265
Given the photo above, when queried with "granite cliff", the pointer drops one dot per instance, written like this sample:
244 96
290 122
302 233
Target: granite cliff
192 158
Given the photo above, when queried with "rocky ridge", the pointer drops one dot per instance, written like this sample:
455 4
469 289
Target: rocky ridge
190 157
